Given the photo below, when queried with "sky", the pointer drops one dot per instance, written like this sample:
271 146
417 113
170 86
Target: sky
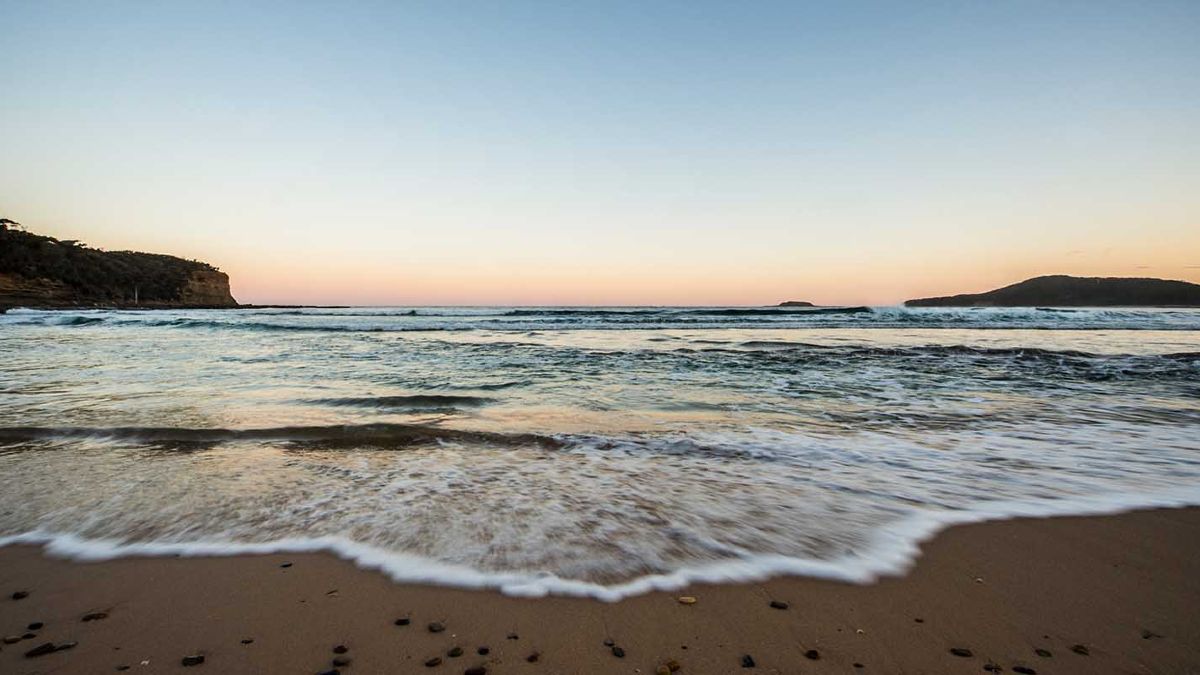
610 152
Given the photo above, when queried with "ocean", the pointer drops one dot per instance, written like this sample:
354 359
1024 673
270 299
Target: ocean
601 452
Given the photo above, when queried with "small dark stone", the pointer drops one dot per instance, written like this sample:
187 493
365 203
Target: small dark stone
513 636
193 660
40 650
618 652
609 642
20 595
533 658
64 646
778 604
1149 635
1024 670
36 625
28 636
122 667
335 671
286 565
434 662
1080 650
919 620
1044 653
477 670
747 661
858 665
12 639
247 641
340 661
812 655
402 621
94 616
435 627
992 667
341 649
673 665
960 651
483 651
455 652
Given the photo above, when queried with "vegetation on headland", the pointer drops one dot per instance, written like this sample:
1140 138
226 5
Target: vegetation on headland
43 271
1061 290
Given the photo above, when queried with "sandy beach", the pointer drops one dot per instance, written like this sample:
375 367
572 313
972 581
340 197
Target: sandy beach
1114 594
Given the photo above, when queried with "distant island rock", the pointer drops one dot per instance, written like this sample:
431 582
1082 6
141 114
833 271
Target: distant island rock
1061 290
43 272
795 303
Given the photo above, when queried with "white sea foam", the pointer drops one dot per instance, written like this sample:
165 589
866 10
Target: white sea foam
890 552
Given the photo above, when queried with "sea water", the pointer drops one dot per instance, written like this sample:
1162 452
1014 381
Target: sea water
585 451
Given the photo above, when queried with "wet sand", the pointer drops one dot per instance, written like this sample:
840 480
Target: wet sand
1114 594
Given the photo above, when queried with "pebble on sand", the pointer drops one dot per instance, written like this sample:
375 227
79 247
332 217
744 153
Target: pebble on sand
483 651
94 616
247 641
662 670
514 636
434 662
686 600
747 661
192 660
41 650
436 627
962 651
1080 650
1024 670
477 670
455 652
341 661
1044 653
12 639
992 667
608 642
618 652
341 649
779 604
402 621
812 655
533 658
286 565
335 671
36 625
20 595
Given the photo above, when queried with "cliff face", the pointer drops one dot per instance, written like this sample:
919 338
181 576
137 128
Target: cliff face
208 288
39 271
1066 291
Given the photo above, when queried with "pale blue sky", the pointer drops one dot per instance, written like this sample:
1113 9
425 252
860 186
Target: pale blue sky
611 152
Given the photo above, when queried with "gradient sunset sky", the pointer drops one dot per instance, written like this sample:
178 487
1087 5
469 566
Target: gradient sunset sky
607 152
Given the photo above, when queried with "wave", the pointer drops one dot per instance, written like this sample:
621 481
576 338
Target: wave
414 402
891 550
387 435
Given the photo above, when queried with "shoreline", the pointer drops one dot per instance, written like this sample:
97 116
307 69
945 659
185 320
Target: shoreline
1124 587
893 551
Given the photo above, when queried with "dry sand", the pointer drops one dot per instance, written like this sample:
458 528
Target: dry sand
1125 588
